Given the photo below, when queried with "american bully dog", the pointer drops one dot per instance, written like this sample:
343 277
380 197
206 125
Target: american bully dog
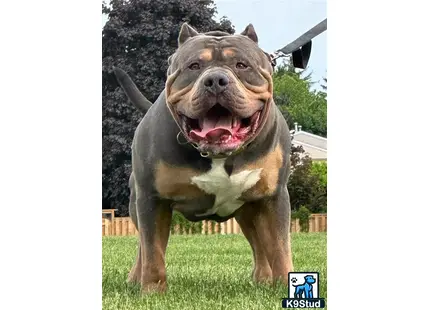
213 146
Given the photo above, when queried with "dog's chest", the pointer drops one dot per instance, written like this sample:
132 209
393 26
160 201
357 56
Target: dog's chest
226 188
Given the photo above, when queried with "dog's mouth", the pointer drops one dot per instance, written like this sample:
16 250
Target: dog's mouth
220 128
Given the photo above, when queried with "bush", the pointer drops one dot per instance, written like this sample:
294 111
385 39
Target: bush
307 184
303 214
319 168
184 224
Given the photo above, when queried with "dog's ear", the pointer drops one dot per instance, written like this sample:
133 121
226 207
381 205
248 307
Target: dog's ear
170 59
185 33
271 60
169 63
250 33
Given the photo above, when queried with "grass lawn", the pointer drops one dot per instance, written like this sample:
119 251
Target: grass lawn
206 272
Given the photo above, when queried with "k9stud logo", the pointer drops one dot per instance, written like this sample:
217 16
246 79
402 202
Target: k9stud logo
303 291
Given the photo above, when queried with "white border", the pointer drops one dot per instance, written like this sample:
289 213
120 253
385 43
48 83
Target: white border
377 197
50 155
51 149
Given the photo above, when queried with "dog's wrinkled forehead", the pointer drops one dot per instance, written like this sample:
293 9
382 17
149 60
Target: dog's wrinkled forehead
214 45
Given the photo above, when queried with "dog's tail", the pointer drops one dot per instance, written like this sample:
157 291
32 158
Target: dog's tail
131 90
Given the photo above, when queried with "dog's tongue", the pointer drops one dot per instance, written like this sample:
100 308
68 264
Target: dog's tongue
213 128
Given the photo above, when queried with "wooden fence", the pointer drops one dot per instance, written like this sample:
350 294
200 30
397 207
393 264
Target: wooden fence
123 226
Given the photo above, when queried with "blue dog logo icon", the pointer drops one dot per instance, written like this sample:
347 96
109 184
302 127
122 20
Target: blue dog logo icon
305 290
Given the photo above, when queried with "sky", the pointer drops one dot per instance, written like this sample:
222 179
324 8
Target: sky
279 22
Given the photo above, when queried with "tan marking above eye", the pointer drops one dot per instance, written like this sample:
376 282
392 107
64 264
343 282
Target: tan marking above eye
206 54
228 52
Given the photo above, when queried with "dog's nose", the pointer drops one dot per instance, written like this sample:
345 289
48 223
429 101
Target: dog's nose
216 82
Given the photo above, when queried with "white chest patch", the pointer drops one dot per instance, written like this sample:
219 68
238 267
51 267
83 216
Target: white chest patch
227 189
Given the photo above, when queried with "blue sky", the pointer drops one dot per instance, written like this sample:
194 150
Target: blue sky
278 22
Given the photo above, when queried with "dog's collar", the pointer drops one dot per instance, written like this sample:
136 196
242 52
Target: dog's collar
207 154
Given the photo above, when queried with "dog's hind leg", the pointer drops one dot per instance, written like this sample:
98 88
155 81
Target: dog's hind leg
262 272
136 271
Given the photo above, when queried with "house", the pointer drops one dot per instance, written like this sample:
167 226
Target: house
315 146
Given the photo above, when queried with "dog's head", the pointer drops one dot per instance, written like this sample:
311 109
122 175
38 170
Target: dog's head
310 279
219 88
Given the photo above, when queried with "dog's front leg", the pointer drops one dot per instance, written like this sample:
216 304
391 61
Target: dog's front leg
271 219
154 218
246 218
277 212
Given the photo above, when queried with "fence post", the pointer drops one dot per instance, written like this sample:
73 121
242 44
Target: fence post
235 227
223 230
204 224
317 223
107 227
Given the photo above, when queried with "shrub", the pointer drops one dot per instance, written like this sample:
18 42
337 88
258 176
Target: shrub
319 168
307 184
303 214
184 224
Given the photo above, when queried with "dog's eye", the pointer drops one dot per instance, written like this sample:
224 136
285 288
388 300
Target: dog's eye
241 65
194 66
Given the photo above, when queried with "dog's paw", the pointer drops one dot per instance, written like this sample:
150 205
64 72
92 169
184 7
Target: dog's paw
294 280
153 288
262 275
134 276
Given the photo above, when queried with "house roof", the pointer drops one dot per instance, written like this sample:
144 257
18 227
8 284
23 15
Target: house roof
315 145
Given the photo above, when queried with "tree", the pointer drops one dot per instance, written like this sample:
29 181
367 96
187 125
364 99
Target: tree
139 37
286 67
307 184
297 102
324 86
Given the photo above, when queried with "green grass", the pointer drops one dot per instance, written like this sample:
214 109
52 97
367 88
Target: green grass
205 272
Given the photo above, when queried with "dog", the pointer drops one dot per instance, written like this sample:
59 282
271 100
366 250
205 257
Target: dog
305 290
213 146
